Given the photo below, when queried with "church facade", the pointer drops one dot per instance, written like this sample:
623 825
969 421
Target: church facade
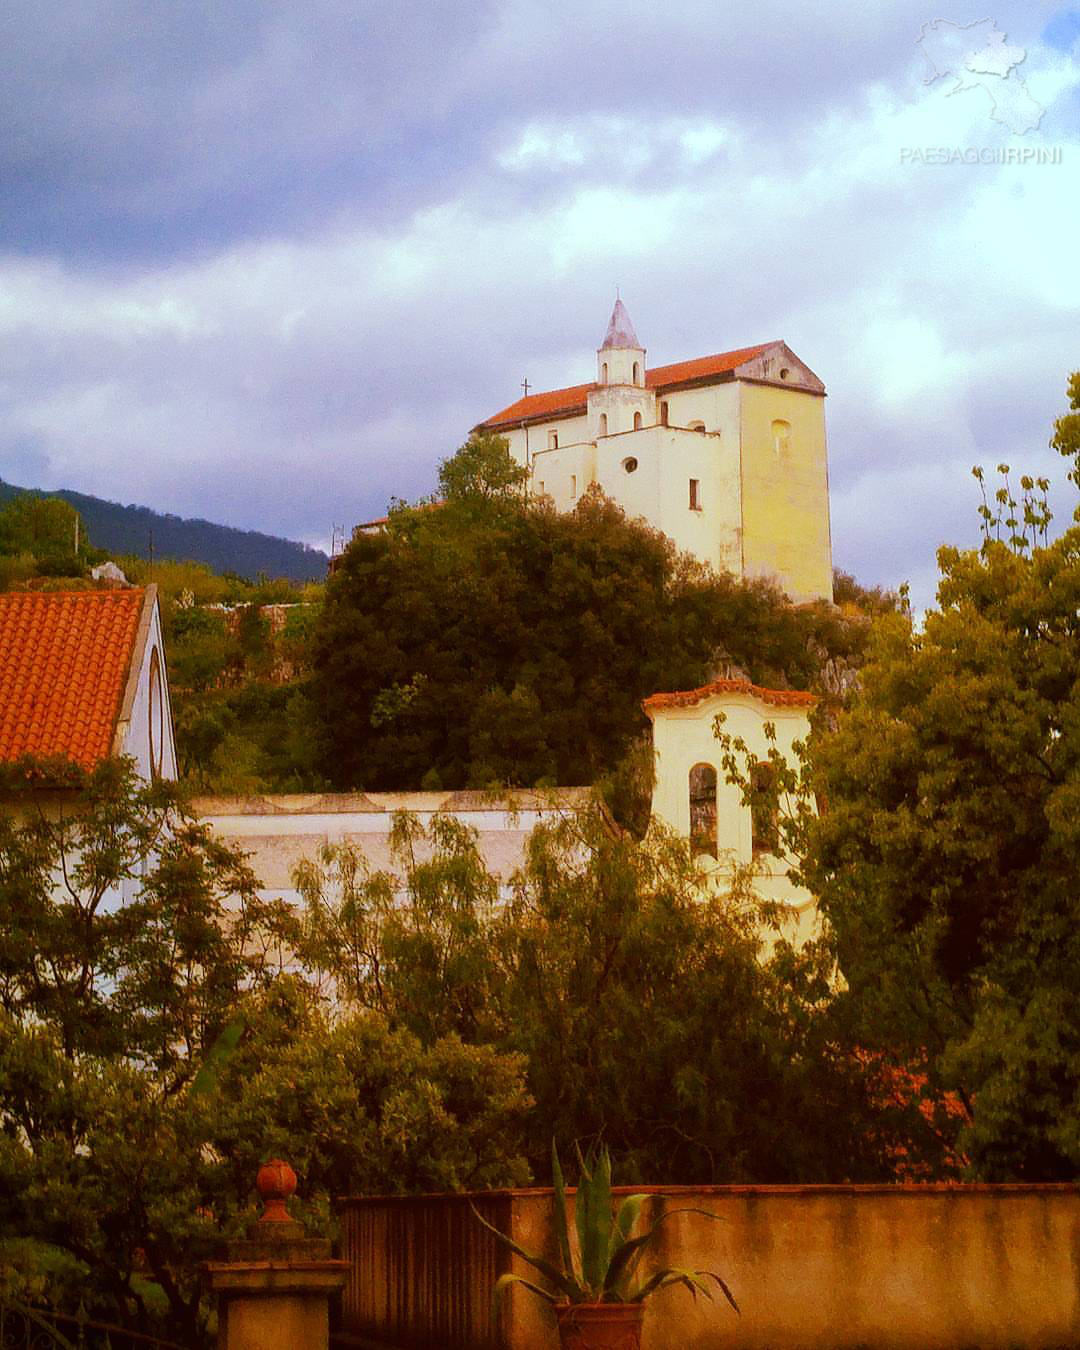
725 454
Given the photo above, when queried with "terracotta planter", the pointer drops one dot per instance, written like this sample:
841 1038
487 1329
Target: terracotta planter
599 1326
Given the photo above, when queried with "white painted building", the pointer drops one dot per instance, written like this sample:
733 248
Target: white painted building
82 677
725 454
279 832
691 793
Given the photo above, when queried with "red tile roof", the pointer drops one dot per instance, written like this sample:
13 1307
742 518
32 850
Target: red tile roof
572 401
64 662
686 698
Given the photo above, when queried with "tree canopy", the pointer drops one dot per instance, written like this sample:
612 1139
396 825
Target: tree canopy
490 638
153 1052
643 1005
946 856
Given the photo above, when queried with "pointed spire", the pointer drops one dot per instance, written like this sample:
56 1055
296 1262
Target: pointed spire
620 331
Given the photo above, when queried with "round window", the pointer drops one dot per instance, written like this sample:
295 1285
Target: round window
784 373
630 464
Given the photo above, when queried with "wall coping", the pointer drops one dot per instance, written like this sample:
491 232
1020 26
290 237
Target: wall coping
904 1188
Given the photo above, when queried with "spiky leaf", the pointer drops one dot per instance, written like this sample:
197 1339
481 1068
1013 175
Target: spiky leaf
566 1286
594 1256
505 1281
562 1233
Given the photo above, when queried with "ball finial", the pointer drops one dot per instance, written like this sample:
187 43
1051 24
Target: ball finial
275 1183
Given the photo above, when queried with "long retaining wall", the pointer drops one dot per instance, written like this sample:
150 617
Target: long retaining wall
814 1267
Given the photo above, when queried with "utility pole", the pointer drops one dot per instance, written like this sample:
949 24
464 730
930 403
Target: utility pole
525 425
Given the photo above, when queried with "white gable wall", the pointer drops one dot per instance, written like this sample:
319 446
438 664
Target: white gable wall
683 737
133 729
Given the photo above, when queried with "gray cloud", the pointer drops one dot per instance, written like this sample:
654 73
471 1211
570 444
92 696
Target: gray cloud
268 265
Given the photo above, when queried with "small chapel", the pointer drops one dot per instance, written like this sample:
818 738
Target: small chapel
724 454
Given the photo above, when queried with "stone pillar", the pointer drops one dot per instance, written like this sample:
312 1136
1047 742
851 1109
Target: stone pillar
274 1288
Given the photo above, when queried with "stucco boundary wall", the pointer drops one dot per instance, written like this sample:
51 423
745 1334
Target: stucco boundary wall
812 1267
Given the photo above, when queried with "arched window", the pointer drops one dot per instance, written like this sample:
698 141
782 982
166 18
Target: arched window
703 809
553 440
637 377
573 485
664 413
637 421
157 715
603 373
603 424
764 823
781 433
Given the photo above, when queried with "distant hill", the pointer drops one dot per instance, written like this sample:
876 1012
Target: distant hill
129 529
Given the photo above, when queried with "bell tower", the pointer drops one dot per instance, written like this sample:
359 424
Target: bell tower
620 402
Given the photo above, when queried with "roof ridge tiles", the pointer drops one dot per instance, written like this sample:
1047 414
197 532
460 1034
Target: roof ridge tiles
686 698
573 398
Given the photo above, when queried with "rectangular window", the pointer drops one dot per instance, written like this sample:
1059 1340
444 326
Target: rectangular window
664 413
540 487
695 494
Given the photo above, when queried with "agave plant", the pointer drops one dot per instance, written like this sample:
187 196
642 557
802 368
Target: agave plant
605 1267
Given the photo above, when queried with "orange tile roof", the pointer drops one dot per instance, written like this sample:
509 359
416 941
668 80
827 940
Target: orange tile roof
571 401
64 662
686 698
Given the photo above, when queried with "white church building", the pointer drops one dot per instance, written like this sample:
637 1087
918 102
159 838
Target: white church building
725 454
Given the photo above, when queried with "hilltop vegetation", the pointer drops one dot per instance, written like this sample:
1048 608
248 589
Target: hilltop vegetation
497 640
489 641
130 530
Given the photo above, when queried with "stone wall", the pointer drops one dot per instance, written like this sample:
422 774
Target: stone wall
816 1267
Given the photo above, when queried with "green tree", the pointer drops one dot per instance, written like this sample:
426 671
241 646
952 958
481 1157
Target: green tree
482 469
492 639
152 1054
47 528
361 1107
946 859
645 1013
120 964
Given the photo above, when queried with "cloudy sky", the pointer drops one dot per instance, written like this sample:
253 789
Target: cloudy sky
267 263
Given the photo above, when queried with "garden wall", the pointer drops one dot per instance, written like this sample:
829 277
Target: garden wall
820 1267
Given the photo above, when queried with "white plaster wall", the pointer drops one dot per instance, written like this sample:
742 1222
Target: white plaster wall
658 490
717 405
761 515
683 737
620 363
618 403
565 473
278 832
136 739
571 431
